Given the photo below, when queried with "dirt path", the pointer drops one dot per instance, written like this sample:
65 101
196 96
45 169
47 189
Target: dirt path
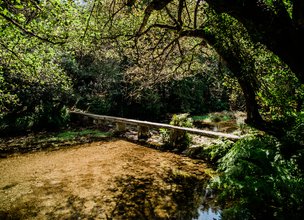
101 180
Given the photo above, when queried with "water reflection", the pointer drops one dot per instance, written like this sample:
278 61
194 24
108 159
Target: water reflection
176 195
209 214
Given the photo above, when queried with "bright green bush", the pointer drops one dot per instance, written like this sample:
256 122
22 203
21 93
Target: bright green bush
181 120
176 139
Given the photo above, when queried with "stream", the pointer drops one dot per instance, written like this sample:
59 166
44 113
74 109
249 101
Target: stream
105 180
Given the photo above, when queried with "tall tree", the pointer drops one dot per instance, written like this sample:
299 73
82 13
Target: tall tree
276 24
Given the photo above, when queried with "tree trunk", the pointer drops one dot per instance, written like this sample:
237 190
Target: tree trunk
275 29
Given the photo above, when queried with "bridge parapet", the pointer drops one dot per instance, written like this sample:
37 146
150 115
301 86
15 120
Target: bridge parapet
143 126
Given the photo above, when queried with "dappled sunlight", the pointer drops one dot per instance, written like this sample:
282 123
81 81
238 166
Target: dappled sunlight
116 179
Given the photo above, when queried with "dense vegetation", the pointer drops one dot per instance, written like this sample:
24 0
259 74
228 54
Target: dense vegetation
147 59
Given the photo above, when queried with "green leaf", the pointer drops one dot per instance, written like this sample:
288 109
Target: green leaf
5 11
19 6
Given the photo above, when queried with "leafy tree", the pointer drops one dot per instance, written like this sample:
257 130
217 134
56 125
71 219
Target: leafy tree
145 77
35 87
277 24
205 20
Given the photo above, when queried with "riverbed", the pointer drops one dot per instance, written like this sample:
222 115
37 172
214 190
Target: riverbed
103 180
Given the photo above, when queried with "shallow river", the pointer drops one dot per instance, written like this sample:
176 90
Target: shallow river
104 180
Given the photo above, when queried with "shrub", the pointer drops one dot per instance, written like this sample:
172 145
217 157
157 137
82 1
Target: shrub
219 149
293 142
255 176
177 139
39 98
165 135
211 152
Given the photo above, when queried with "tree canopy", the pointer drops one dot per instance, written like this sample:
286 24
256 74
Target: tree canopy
161 40
236 30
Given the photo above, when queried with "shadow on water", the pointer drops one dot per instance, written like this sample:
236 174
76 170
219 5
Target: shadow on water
174 194
178 196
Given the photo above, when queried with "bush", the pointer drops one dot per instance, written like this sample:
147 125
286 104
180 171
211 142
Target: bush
219 149
176 139
40 98
258 182
211 152
293 142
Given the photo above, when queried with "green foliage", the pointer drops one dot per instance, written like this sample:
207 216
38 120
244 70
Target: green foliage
293 143
280 95
70 135
211 152
200 93
181 120
175 139
199 117
34 89
217 117
100 86
165 135
95 104
56 54
255 176
236 96
277 90
219 149
297 131
194 94
39 97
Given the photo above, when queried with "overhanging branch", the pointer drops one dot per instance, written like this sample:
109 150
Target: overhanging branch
28 32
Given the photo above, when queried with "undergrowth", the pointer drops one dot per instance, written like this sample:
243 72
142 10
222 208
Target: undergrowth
257 182
68 135
177 139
